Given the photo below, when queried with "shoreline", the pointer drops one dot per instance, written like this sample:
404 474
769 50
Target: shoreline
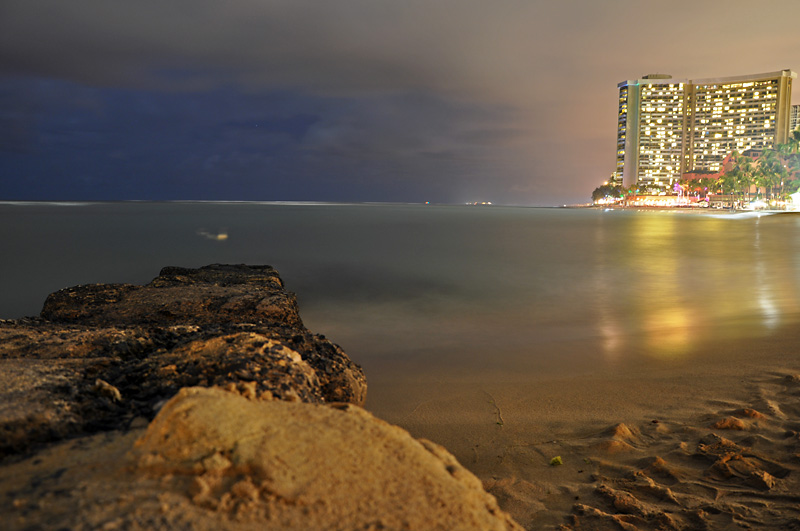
707 440
689 208
610 428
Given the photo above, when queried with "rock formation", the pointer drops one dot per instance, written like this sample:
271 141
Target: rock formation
102 355
201 401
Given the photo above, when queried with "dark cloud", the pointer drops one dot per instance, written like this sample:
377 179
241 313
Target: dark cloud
104 143
511 101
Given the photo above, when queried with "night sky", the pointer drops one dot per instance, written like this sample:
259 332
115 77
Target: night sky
367 100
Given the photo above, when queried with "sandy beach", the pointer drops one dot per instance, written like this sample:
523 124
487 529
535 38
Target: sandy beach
707 441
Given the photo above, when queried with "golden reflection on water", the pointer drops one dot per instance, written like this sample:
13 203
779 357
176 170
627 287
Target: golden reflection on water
664 320
763 295
689 280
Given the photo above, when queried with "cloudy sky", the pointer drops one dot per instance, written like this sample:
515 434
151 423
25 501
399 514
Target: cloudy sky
355 100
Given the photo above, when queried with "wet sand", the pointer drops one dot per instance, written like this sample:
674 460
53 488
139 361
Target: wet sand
710 440
707 441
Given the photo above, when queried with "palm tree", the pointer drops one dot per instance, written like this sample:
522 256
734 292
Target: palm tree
689 186
794 140
780 166
729 183
793 162
770 173
740 177
700 187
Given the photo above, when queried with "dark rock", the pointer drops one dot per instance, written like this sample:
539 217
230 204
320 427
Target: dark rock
215 294
102 356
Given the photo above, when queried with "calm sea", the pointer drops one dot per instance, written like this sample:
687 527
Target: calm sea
525 289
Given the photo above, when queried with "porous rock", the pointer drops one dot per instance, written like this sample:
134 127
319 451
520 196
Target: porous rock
214 294
220 325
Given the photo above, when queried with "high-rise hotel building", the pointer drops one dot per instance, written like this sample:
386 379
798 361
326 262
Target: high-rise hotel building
667 127
794 118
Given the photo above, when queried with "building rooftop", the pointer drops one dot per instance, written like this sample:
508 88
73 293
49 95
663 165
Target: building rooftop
667 78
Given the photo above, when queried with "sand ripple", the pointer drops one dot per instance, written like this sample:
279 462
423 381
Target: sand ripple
736 467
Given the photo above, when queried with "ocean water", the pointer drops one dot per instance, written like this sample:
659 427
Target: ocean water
456 288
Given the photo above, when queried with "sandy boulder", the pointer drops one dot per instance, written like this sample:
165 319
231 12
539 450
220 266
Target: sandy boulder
307 466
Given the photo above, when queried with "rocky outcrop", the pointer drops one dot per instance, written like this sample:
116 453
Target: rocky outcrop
103 355
199 401
211 295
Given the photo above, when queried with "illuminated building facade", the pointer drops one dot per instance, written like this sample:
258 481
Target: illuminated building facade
794 117
668 127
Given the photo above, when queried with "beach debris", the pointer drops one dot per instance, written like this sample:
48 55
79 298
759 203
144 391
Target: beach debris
556 461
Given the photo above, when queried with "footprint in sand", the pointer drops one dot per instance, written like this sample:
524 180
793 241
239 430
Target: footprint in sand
739 469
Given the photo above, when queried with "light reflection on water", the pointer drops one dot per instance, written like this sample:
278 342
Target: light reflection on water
665 317
693 278
485 287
